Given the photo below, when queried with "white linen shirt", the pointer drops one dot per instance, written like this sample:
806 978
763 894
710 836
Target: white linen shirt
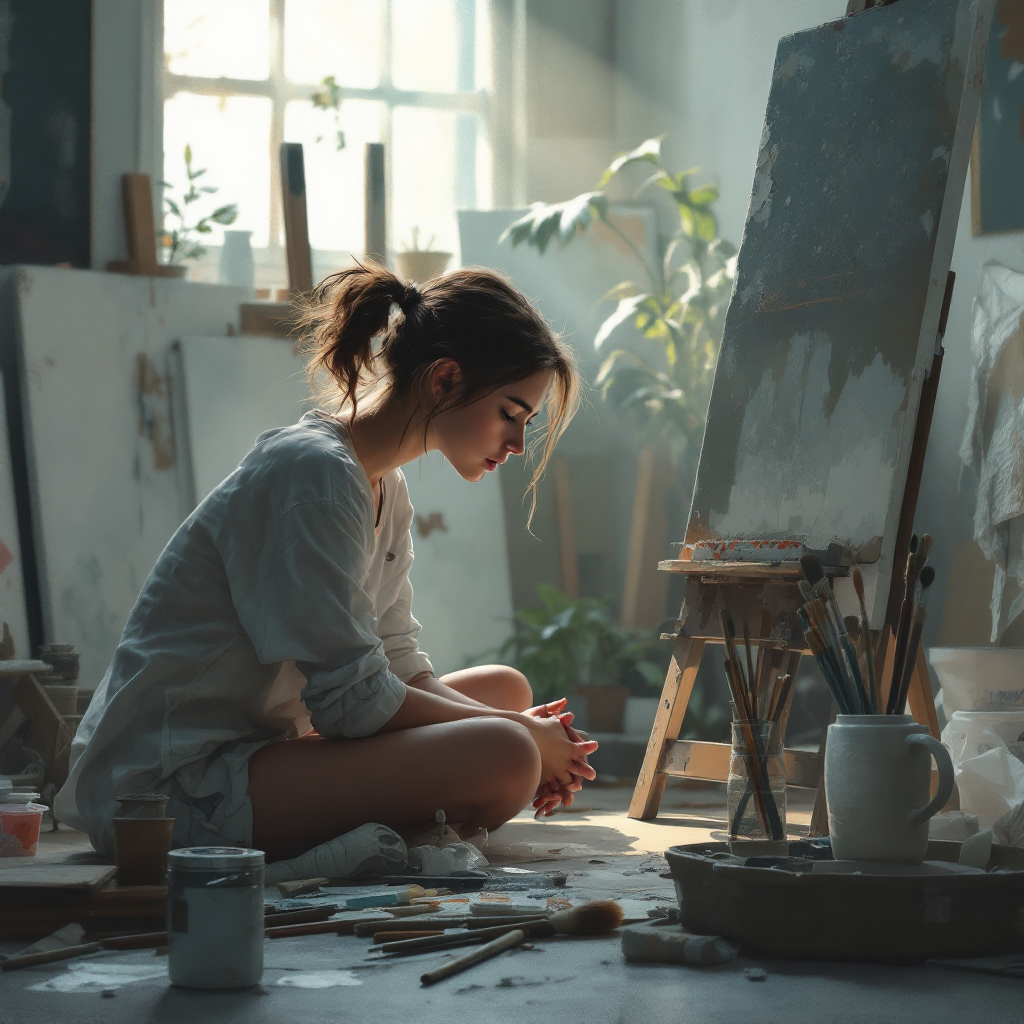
274 608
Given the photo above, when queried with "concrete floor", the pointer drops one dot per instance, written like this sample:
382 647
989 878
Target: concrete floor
603 853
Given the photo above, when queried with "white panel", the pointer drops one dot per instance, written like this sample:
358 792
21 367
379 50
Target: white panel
12 581
234 389
460 579
106 497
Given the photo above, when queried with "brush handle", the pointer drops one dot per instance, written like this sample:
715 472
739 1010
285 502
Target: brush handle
49 956
381 937
467 960
902 637
911 659
450 939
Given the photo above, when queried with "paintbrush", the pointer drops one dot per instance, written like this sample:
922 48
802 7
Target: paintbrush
865 632
598 917
845 654
927 578
903 627
467 960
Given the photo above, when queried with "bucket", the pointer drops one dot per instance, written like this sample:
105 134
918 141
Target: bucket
20 819
979 678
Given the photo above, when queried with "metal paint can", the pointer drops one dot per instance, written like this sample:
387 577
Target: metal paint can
215 916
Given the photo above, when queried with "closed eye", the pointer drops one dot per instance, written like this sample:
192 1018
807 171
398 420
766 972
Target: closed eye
510 419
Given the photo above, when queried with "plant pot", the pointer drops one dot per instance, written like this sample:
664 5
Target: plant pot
420 266
606 706
174 270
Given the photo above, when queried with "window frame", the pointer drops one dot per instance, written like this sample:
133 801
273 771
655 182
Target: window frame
281 91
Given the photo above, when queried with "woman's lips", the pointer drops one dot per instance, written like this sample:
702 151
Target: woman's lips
491 464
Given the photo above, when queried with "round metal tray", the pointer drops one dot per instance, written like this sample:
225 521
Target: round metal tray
808 906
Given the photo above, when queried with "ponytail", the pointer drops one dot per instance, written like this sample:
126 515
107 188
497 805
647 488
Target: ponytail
359 350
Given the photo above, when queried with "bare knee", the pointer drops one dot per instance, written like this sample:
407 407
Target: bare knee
516 690
514 760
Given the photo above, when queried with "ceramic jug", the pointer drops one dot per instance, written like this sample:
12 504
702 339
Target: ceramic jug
236 260
877 784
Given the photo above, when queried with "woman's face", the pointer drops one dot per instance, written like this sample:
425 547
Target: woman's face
479 437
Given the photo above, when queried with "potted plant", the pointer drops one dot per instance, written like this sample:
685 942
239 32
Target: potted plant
570 645
676 310
179 240
421 265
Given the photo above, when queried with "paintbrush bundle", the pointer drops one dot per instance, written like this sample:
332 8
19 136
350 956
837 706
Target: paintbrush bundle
760 697
843 648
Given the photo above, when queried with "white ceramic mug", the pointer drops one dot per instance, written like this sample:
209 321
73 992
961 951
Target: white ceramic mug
877 783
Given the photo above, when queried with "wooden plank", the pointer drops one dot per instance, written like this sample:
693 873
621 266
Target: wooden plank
266 318
675 695
638 538
700 759
711 570
27 873
140 231
919 696
296 227
566 530
15 668
375 199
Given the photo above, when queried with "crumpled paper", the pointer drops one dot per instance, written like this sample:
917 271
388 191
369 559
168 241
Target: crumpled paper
442 851
988 764
993 443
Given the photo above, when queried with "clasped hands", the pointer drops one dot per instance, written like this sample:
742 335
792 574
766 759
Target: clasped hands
564 763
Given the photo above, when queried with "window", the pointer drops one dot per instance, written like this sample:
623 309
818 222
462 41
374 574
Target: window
414 74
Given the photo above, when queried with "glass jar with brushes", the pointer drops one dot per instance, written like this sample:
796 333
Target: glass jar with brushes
757 784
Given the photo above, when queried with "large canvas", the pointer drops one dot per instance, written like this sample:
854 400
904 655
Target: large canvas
832 323
95 458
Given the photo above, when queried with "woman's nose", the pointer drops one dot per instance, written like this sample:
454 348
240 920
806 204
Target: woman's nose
517 442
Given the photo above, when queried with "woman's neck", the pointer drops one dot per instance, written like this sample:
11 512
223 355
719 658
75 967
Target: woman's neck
386 437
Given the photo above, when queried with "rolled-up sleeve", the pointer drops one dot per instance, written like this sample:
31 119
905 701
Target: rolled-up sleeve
298 597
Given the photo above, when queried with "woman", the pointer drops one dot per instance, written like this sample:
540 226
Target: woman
268 680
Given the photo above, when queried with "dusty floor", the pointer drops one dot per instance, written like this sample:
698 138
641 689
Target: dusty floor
603 853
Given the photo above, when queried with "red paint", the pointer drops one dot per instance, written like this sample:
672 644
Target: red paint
5 556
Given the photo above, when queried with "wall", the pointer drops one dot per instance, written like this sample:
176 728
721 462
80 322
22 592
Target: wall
127 113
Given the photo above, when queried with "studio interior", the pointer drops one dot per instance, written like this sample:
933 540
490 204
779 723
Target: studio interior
511 507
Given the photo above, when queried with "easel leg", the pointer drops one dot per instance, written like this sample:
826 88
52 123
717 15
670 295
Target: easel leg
919 696
682 673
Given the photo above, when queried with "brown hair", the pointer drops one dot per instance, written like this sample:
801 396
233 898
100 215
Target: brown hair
473 316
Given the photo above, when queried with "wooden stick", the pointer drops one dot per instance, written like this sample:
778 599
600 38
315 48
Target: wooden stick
49 956
467 960
380 937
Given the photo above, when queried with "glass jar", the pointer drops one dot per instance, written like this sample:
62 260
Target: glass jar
215 916
757 782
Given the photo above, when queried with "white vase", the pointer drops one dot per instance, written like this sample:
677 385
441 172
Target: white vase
236 265
877 783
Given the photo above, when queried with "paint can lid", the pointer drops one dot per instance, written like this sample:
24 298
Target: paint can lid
203 858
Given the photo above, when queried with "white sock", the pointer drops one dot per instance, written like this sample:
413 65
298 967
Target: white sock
368 850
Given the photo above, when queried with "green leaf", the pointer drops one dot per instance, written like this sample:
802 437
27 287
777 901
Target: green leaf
545 220
705 225
647 152
624 313
225 214
704 196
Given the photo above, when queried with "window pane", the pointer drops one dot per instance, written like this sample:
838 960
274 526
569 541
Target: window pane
231 139
334 178
427 44
343 38
424 177
229 38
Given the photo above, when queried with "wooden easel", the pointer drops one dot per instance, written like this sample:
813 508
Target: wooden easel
764 594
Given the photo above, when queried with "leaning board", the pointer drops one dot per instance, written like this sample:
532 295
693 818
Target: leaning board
832 322
88 353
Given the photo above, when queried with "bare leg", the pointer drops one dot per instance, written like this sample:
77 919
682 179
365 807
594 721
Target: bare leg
480 771
497 686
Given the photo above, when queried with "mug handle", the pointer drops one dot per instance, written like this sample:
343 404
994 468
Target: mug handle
945 768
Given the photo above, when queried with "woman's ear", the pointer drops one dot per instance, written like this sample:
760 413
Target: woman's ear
444 376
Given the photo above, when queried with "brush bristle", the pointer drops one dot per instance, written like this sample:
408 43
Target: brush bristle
858 581
598 917
927 577
812 568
